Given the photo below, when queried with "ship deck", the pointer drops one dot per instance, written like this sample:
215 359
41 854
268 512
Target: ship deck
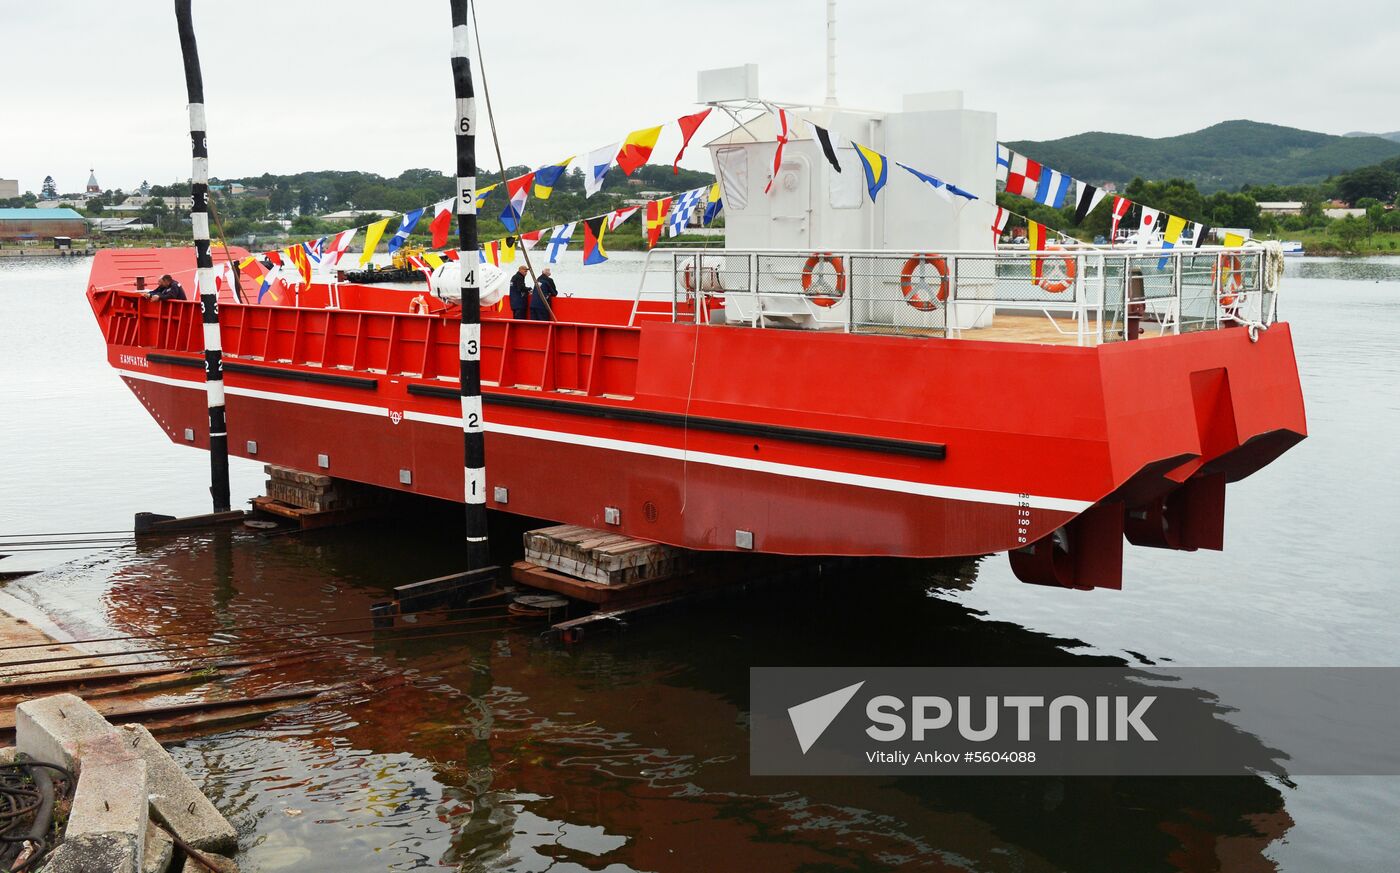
1019 328
1042 329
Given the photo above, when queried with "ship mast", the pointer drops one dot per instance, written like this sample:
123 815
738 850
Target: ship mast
830 52
469 344
204 262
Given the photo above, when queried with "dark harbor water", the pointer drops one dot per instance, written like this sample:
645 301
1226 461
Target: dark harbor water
487 750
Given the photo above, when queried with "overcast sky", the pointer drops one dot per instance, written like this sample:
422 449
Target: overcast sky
365 84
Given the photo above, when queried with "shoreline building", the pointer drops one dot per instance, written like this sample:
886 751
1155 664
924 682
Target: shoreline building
36 223
9 189
1281 207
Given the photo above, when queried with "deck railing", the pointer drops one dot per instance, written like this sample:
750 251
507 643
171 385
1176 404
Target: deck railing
1083 295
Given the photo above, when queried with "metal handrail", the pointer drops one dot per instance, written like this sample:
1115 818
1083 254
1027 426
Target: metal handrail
1097 296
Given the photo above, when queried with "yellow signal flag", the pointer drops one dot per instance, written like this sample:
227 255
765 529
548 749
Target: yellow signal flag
1035 242
1175 225
481 194
372 235
1233 240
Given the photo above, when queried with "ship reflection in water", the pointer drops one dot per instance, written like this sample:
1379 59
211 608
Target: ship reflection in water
487 750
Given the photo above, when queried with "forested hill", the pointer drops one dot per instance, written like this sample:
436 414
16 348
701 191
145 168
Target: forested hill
1223 156
1394 135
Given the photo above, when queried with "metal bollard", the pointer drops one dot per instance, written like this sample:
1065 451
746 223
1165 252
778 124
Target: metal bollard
1136 308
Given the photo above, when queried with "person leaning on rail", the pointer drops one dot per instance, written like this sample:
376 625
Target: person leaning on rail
519 295
167 289
542 298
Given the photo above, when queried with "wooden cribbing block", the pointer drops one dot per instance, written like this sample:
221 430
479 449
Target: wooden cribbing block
603 557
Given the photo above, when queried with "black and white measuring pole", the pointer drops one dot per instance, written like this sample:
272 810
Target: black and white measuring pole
204 263
469 344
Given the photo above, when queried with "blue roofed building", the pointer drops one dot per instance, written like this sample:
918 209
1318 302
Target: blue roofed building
42 224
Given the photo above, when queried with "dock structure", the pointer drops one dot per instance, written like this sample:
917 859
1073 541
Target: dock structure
129 681
96 718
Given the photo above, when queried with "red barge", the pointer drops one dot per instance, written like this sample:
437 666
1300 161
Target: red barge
1050 427
822 385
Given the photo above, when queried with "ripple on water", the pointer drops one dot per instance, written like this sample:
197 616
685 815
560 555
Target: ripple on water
488 752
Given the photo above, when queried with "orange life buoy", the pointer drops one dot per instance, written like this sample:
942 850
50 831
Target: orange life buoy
1063 282
1231 269
922 301
419 306
821 296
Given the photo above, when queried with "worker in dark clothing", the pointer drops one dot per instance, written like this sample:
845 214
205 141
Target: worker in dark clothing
167 289
519 295
542 298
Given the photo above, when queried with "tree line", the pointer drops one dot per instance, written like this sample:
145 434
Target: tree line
1375 189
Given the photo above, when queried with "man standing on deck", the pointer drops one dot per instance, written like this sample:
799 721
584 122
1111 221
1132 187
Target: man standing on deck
167 289
519 295
542 298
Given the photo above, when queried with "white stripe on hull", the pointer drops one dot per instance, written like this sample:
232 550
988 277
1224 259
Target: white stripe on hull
816 474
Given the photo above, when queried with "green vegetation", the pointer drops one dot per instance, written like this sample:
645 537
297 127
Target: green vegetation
303 197
1275 164
1393 135
1349 236
1375 189
1225 155
1174 196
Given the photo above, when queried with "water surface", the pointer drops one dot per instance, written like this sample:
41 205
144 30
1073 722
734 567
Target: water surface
487 750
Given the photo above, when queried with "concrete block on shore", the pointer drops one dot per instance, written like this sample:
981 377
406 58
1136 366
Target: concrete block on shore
109 813
124 778
86 854
221 865
160 850
57 729
176 801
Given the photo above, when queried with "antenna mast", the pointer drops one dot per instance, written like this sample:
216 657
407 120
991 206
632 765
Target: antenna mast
830 52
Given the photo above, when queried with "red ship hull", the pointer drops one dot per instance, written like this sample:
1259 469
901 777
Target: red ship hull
707 437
